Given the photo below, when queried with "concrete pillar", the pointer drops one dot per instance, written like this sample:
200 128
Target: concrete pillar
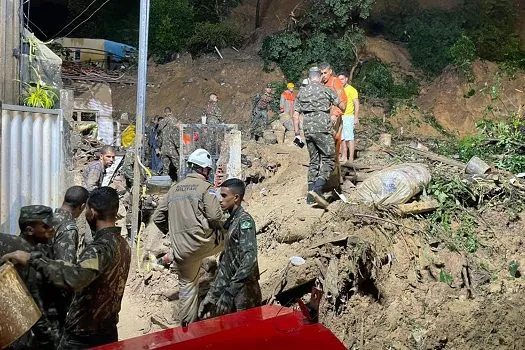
10 51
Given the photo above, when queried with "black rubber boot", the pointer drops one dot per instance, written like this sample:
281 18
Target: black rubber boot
317 193
309 198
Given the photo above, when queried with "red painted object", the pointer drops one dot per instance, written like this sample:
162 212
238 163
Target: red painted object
267 327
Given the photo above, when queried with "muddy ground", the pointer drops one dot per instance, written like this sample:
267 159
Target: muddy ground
405 304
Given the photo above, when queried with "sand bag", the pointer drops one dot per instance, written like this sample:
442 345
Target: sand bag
394 185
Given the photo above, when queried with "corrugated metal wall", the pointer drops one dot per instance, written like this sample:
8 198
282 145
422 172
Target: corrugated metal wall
32 167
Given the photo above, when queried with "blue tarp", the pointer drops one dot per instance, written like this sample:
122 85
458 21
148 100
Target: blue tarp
118 50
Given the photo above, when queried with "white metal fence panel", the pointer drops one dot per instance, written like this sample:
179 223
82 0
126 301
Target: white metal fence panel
32 167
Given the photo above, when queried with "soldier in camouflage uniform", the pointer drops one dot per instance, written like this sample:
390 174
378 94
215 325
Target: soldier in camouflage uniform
94 173
212 112
314 102
36 229
169 140
236 286
98 278
65 246
260 113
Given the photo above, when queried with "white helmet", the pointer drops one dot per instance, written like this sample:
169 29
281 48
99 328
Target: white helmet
201 157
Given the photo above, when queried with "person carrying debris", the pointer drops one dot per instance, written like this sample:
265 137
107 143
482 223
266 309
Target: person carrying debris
314 102
94 173
192 215
261 104
168 141
36 230
236 286
212 113
66 245
350 118
98 278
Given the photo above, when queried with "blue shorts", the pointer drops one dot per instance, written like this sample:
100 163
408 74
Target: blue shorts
348 128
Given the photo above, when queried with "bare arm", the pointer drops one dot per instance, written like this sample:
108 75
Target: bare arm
356 111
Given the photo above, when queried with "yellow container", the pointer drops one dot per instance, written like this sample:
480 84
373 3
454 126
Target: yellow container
18 310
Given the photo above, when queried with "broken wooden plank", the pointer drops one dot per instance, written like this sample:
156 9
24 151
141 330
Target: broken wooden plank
438 158
363 167
343 239
418 207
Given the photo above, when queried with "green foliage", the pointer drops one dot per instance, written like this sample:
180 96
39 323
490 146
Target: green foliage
213 11
375 80
514 267
277 89
437 38
171 24
463 54
445 277
327 32
208 35
40 95
500 142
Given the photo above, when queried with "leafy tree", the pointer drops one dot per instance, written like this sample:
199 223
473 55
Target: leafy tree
327 31
209 35
171 24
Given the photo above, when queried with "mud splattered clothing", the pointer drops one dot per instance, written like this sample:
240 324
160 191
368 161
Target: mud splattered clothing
192 215
93 175
314 101
168 141
98 280
213 113
260 115
237 282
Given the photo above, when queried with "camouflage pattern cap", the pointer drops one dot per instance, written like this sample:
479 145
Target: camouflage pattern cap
314 69
36 213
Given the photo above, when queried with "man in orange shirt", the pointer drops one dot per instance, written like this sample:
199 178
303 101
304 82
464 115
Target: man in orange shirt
333 83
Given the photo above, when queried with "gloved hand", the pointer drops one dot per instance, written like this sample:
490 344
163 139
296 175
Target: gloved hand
206 307
225 304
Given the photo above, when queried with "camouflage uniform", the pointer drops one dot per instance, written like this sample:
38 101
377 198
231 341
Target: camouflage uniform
260 115
212 112
314 101
43 334
93 175
128 173
236 284
64 246
169 140
98 280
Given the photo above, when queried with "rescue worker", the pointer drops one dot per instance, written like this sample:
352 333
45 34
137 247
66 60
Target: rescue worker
168 143
287 100
65 245
36 230
261 104
94 173
314 102
212 113
236 286
98 278
191 213
153 146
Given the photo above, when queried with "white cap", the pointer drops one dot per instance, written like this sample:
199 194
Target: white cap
201 157
305 82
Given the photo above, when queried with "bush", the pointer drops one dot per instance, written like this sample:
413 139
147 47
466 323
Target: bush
463 54
327 32
171 24
375 80
208 35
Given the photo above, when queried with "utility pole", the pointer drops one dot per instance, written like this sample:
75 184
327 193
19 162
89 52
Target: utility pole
10 39
141 111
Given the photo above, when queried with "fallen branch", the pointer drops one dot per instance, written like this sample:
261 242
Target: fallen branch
438 158
218 52
384 220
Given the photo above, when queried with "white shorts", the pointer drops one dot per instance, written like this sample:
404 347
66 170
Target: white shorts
348 128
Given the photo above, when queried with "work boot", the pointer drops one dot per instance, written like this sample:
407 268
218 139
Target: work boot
317 193
309 198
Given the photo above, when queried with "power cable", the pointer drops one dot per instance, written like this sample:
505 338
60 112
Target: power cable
84 21
34 25
74 19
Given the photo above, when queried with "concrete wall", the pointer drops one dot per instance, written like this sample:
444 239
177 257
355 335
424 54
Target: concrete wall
90 49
